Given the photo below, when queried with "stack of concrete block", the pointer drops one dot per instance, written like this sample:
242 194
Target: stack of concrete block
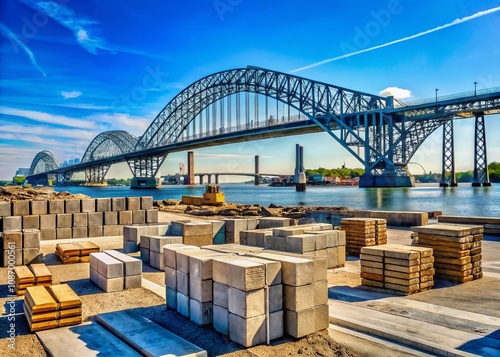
236 225
197 233
335 247
405 269
255 237
360 232
70 253
20 247
132 269
218 231
132 235
152 249
457 249
275 222
114 271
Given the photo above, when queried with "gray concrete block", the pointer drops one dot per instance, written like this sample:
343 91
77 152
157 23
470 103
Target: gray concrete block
177 227
156 260
145 240
12 257
109 285
80 232
65 220
276 324
169 252
47 234
275 222
200 290
321 317
182 304
133 203
220 294
171 297
108 231
272 270
246 303
80 220
5 208
182 258
221 320
31 238
110 218
118 204
20 208
12 223
93 270
103 204
95 231
320 293
125 217
48 221
133 281
299 324
236 225
56 206
38 207
131 265
144 254
72 206
95 219
294 271
64 233
108 266
139 217
197 228
170 278
156 243
300 243
220 269
200 312
146 202
298 298
12 239
275 243
182 282
151 216
275 297
162 229
201 265
87 205
247 332
246 275
29 254
134 233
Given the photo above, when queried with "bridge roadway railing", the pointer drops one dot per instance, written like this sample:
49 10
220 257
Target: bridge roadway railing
451 97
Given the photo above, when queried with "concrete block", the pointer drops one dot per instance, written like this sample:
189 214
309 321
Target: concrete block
118 204
272 270
80 232
133 281
169 252
72 206
38 207
320 268
12 257
13 238
109 285
65 220
5 208
47 234
182 258
298 298
198 241
29 254
145 240
171 297
95 231
294 271
221 320
321 320
299 324
134 233
138 217
31 238
111 231
125 217
219 238
146 202
276 324
182 282
156 243
133 203
246 275
246 303
220 269
200 312
93 276
87 205
103 204
301 243
201 265
182 304
110 218
247 332
95 219
170 278
275 222
145 254
220 294
162 229
236 225
56 206
320 293
20 208
200 290
48 221
12 223
341 237
275 297
64 233
341 254
80 220
108 266
218 226
131 265
198 228
156 260
275 243
151 216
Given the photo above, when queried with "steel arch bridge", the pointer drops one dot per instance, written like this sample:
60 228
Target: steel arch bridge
381 133
43 162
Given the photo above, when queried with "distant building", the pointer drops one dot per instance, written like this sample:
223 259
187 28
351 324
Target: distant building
71 162
23 171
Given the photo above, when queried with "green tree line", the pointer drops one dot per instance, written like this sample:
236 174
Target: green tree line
340 172
467 176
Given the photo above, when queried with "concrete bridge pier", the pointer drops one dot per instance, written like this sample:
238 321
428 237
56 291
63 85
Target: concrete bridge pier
300 175
216 179
190 175
201 179
257 169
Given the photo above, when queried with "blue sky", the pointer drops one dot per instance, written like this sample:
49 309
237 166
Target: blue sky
70 69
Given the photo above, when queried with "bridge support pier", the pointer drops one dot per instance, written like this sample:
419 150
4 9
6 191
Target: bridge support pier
209 179
448 156
94 175
216 179
190 175
201 179
481 175
257 177
387 180
300 175
145 169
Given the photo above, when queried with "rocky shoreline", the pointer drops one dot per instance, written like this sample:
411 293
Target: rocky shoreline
18 193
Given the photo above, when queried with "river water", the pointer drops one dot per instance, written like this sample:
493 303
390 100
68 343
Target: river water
461 200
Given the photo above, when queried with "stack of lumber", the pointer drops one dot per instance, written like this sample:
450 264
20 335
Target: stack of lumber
359 232
457 249
405 269
380 231
70 253
24 278
43 276
49 307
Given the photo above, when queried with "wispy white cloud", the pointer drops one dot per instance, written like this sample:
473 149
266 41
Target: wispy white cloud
48 118
135 125
420 34
16 42
70 95
44 130
398 93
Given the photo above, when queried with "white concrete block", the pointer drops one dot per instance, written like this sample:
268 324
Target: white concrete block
128 246
246 275
157 242
108 266
275 297
109 285
299 324
200 312
247 332
221 320
220 294
169 253
182 282
94 276
301 243
294 271
246 303
298 298
200 290
220 269
170 278
131 265
272 270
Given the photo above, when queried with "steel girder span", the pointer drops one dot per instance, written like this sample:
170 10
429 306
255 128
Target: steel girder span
106 145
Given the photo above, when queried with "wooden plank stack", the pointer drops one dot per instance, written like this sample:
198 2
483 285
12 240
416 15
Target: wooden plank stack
70 253
47 308
405 269
457 249
24 278
363 232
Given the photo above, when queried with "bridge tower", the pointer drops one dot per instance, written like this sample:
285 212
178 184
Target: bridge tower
94 175
481 175
299 179
257 169
448 155
144 169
